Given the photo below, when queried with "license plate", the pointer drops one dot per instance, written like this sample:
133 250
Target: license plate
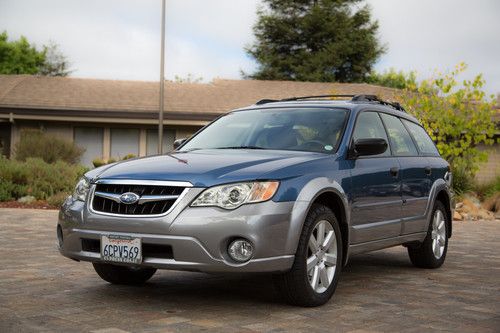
121 249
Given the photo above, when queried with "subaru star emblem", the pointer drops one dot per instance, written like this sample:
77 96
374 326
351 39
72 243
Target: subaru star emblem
129 198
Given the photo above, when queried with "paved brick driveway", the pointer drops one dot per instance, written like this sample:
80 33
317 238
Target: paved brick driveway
378 292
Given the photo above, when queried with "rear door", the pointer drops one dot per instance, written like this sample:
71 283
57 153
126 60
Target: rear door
376 187
428 152
415 174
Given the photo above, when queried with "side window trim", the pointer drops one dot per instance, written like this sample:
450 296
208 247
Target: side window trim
420 153
391 150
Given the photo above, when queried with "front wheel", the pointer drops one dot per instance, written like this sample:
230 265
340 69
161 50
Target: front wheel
318 261
432 252
123 275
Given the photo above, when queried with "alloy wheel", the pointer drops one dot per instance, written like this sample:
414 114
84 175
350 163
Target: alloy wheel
438 233
322 256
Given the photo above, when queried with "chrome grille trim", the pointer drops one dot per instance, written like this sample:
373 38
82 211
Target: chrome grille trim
143 182
144 199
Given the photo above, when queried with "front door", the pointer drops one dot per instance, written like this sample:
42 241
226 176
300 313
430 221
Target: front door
376 187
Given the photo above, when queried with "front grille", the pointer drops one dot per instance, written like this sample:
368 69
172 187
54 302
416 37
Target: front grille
148 250
153 199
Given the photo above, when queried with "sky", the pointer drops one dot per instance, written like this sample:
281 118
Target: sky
120 39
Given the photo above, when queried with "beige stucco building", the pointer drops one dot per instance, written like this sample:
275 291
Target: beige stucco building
112 118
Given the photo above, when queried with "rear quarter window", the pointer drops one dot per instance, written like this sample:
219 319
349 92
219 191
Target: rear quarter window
424 142
401 141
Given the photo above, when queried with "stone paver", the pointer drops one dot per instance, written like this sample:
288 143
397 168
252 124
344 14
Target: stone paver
378 292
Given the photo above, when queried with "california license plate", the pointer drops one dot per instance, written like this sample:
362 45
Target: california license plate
122 249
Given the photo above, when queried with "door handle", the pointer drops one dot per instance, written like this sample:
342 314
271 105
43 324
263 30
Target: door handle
428 170
394 171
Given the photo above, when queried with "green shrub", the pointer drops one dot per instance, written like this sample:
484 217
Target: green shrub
98 162
50 148
488 190
392 79
462 181
37 178
128 157
57 199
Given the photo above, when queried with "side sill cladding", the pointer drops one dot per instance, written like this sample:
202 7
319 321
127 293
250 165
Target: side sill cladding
310 192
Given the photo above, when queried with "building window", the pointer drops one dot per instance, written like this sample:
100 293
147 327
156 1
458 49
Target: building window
124 141
152 141
89 138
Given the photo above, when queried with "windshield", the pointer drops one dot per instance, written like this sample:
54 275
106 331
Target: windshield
303 129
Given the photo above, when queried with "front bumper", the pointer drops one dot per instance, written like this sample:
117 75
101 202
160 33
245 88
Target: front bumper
198 237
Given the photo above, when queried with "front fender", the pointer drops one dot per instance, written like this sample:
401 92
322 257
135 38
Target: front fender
307 196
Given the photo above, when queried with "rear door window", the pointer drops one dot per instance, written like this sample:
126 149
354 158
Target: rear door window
401 141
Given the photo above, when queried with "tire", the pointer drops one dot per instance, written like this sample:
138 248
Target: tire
432 252
123 275
296 285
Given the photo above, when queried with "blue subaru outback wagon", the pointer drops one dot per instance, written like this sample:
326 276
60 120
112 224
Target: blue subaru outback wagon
292 187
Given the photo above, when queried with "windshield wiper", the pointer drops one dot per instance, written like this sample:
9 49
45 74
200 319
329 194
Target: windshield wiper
241 147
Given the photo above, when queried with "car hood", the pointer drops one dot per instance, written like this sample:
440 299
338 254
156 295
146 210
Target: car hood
209 167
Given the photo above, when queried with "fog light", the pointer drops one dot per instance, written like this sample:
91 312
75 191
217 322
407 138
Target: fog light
240 250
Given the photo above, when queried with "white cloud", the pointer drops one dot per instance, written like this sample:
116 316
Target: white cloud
425 35
121 39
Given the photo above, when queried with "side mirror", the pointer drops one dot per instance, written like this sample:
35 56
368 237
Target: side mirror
367 147
179 142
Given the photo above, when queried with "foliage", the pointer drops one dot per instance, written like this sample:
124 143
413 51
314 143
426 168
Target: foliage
457 115
21 57
462 182
393 79
315 40
57 199
37 178
50 148
128 157
190 78
98 162
488 190
56 63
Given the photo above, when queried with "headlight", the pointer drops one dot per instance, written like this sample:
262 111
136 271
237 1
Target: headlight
81 189
232 196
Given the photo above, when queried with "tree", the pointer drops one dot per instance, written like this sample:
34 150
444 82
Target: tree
56 63
314 40
393 79
458 115
21 57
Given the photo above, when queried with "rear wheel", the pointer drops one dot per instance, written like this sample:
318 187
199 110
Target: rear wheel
316 269
432 252
123 275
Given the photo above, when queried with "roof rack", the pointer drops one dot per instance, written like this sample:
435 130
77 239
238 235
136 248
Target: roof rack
354 98
374 98
289 99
